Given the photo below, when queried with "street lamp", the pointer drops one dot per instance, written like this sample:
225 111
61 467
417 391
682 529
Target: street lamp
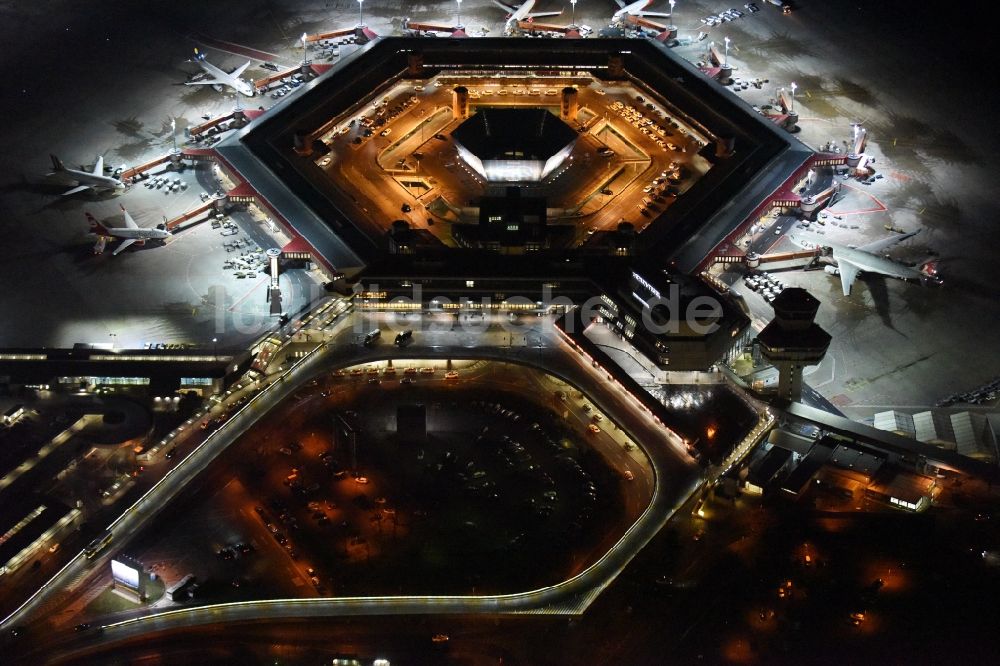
361 12
725 62
672 3
215 348
573 3
793 87
305 49
459 3
173 132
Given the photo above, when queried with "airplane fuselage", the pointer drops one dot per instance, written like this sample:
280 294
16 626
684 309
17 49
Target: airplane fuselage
518 15
872 263
523 13
137 234
221 78
130 234
850 261
93 180
636 9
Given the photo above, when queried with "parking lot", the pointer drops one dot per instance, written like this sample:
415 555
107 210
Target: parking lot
503 493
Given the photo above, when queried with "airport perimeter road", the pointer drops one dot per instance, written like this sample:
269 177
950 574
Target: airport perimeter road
676 478
159 496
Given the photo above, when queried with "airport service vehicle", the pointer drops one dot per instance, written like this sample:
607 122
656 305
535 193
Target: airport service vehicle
130 233
372 336
87 180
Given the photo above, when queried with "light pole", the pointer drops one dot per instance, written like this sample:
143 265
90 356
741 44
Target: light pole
173 132
672 3
573 3
793 87
459 3
305 49
361 12
725 62
215 348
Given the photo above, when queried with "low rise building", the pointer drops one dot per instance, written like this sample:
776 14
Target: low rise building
967 433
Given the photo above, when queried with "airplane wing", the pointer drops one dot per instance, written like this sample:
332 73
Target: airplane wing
879 246
125 244
129 222
78 188
848 273
540 14
99 167
213 82
621 3
506 7
656 14
239 70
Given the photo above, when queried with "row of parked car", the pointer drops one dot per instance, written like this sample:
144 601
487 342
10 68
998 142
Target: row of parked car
166 184
287 85
647 126
983 395
766 284
729 15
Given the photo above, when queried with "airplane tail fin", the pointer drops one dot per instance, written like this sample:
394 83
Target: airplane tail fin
57 164
96 227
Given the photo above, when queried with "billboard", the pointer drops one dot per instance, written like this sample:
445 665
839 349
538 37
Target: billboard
125 574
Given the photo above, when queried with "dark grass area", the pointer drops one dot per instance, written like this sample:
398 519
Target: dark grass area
507 505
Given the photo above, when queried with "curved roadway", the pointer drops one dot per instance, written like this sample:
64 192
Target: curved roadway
676 477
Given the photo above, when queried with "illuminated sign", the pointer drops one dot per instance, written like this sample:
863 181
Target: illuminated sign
125 574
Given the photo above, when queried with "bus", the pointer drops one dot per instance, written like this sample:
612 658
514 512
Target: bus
97 545
372 336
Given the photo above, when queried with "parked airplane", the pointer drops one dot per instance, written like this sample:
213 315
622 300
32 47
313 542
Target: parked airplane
221 78
635 9
130 233
522 12
87 180
850 261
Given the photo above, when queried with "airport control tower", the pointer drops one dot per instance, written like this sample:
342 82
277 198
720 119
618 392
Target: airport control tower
793 340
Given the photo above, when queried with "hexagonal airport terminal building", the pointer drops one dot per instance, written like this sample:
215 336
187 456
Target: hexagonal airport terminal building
515 156
508 145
